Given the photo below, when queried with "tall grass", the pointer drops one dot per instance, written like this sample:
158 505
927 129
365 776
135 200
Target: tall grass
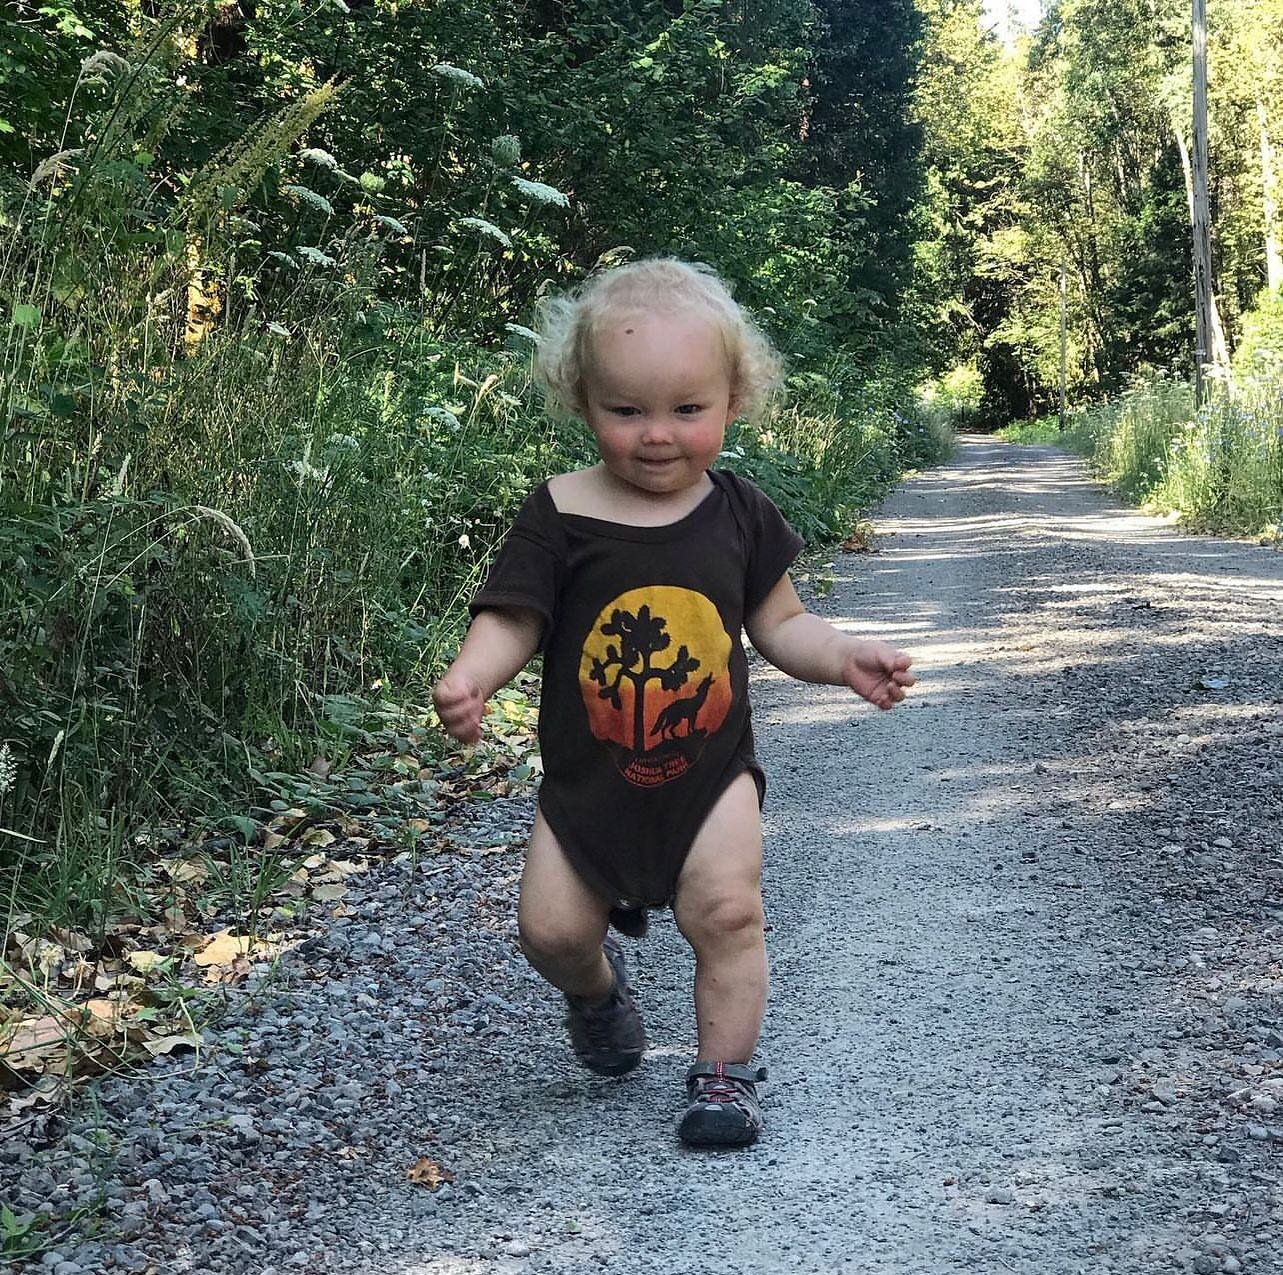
1219 466
244 496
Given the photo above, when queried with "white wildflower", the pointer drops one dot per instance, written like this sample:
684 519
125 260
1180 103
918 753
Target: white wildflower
321 158
305 471
8 769
316 257
506 150
457 75
55 166
319 202
483 227
392 224
464 541
98 66
284 258
540 193
520 329
444 415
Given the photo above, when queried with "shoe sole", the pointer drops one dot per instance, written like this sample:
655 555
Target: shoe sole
713 1129
618 1067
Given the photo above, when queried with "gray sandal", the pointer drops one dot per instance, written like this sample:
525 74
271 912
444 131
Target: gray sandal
723 1109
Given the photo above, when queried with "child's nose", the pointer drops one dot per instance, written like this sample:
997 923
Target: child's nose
659 429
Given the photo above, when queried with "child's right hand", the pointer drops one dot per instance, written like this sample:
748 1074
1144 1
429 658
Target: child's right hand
459 702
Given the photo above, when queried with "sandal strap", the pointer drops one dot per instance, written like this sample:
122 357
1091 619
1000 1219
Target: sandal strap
733 1071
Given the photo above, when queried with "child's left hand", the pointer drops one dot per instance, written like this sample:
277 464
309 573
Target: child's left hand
878 672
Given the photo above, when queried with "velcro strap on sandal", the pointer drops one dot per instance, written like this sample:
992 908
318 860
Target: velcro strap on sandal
733 1071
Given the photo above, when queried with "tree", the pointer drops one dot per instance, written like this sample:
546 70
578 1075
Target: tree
640 637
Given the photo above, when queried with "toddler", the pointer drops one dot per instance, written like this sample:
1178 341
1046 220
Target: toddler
635 578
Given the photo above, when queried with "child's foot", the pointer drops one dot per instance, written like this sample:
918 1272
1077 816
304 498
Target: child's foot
608 1038
723 1111
631 921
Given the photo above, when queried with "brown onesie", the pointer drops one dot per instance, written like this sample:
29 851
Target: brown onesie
644 716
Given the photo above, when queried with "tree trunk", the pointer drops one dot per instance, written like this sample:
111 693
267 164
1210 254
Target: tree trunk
1219 347
1273 251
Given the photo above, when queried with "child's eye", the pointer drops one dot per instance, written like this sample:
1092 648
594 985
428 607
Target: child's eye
623 411
690 409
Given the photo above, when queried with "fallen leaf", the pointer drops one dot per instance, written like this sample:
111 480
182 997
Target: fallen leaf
222 949
104 1013
187 870
34 1043
167 1044
73 941
425 1172
144 961
329 893
318 837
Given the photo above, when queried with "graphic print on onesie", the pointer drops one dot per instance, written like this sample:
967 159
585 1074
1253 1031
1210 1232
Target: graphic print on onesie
655 677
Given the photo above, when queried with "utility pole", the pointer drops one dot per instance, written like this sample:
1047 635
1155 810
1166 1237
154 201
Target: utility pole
1201 213
1064 346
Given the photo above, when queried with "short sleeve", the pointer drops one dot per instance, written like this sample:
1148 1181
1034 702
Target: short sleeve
527 569
773 545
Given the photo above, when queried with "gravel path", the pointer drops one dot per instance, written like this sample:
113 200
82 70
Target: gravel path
1027 1010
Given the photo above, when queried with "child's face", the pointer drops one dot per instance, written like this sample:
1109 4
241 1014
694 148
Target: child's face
658 399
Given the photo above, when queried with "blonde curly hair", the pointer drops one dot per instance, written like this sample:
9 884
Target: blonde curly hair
662 285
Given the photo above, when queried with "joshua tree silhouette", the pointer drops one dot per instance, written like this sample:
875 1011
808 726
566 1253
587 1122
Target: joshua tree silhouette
640 636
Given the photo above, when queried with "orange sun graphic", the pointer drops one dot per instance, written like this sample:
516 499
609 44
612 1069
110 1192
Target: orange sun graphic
655 678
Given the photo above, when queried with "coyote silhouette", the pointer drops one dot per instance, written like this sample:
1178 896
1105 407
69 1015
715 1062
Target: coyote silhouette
679 710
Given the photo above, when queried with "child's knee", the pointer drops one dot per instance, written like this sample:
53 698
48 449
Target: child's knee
728 917
557 940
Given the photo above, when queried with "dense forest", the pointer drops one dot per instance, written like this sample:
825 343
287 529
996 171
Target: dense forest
268 272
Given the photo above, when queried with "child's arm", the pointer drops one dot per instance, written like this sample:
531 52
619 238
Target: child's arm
811 649
497 647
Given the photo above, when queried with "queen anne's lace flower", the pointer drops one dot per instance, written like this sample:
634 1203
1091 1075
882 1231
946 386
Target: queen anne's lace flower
319 202
321 158
506 150
457 75
540 193
316 257
484 227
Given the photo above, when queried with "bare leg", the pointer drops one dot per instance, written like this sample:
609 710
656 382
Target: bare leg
561 921
719 910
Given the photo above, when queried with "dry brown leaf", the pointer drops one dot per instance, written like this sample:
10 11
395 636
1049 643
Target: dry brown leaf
35 1042
329 893
187 870
167 1044
312 862
104 1016
344 867
425 1172
273 839
144 961
318 837
73 940
222 949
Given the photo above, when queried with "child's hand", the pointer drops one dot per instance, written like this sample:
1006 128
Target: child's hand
878 672
459 702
